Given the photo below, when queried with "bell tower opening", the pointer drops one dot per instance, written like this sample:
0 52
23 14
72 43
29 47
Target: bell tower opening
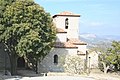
66 23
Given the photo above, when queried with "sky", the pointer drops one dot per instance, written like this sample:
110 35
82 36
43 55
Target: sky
100 17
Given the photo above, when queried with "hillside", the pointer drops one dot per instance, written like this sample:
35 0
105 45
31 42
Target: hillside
92 40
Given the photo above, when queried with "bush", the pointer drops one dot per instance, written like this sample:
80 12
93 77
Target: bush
74 65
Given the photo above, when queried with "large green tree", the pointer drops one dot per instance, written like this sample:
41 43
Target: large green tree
26 29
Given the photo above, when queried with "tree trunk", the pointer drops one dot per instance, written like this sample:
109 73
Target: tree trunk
105 67
37 67
13 62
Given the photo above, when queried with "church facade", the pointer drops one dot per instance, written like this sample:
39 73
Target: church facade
67 43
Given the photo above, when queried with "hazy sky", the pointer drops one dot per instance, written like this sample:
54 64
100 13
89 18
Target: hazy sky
101 17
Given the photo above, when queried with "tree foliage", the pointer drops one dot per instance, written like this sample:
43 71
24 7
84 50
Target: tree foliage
114 56
26 29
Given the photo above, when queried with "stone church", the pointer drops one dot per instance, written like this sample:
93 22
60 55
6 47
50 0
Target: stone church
67 43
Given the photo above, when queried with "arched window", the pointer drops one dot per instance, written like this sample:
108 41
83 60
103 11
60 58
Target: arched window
55 59
20 62
66 23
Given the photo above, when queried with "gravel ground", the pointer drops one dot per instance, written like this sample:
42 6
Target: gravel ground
51 78
30 75
90 77
105 77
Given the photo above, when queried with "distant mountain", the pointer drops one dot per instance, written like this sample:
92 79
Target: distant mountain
111 37
92 39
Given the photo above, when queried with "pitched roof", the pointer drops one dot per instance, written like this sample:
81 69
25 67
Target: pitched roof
59 30
64 45
76 41
67 13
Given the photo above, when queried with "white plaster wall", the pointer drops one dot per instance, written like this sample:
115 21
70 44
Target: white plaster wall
93 59
72 51
73 27
61 37
48 62
82 48
72 33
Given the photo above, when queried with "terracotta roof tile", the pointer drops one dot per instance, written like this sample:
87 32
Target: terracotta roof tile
64 45
67 13
76 41
59 30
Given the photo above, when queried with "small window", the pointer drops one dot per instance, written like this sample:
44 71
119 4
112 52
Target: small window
55 59
66 23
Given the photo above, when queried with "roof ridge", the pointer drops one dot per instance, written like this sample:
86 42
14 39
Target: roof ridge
67 13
